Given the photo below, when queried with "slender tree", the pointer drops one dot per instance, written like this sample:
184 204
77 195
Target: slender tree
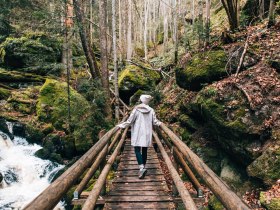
117 113
207 23
91 60
129 31
104 55
146 10
175 31
271 15
68 36
232 10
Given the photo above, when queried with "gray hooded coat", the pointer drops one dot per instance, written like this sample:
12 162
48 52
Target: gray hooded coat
141 119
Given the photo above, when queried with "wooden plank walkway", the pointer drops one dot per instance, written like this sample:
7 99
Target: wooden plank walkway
127 191
130 192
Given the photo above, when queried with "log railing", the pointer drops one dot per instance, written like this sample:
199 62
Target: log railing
184 193
228 198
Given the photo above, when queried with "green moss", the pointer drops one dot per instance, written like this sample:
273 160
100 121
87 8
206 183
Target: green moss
133 78
188 122
52 108
202 69
215 204
160 38
4 93
273 204
267 166
140 52
14 76
22 53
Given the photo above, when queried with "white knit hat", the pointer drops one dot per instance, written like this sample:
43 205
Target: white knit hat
145 99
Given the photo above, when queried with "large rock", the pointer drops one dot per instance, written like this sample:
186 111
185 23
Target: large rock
134 78
34 52
242 117
267 166
203 68
52 107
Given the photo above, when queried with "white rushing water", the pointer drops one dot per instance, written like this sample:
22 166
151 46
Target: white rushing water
25 176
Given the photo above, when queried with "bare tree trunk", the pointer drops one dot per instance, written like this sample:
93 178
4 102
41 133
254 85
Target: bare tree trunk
145 28
261 10
165 28
175 31
271 15
207 23
120 29
94 70
91 23
67 43
232 10
117 113
129 31
104 56
200 24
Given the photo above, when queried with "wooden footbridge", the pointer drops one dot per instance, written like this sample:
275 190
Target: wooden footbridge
126 190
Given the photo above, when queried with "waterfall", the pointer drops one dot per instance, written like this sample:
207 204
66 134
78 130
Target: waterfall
24 175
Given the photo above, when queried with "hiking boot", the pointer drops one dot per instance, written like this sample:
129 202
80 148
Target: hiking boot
142 173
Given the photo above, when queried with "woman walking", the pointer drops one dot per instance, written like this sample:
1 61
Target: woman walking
141 119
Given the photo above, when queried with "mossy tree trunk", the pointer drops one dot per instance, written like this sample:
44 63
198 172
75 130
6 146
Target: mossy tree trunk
104 55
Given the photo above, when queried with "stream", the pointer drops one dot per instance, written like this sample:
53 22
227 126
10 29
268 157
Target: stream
24 175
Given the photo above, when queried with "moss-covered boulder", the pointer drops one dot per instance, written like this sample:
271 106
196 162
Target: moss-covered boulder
52 107
133 78
267 166
232 133
204 68
34 52
15 77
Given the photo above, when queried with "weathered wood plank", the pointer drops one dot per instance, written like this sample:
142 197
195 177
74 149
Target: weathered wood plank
127 188
134 162
136 167
141 198
135 172
140 205
151 178
136 193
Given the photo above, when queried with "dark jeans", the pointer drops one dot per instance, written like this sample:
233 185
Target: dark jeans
141 158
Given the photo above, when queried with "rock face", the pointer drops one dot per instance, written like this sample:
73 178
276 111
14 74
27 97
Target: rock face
134 78
52 108
243 117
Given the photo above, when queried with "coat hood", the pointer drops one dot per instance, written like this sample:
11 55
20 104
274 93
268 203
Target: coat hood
143 108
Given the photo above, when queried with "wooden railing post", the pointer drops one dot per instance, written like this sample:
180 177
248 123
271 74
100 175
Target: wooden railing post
95 192
228 198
